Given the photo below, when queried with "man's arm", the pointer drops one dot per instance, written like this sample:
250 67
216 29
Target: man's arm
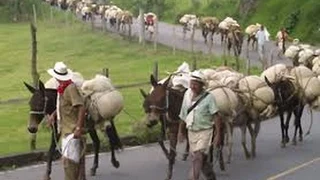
80 122
218 126
182 131
51 118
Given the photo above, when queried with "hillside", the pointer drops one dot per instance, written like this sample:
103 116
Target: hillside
301 18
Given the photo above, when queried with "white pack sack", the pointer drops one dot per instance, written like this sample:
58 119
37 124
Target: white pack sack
71 148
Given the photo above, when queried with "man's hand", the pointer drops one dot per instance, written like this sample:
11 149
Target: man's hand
182 132
77 133
50 120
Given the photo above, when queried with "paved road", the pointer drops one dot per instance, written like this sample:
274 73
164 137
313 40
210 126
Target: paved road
148 163
171 35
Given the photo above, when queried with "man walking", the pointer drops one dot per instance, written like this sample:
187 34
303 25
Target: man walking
199 113
70 114
261 39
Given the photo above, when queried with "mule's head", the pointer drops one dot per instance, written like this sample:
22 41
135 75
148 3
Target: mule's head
37 106
283 90
155 104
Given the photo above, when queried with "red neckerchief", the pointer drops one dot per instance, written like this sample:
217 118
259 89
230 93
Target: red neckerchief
63 85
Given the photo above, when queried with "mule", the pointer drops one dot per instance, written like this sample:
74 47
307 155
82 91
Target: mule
164 104
289 100
42 103
209 26
254 43
235 41
208 30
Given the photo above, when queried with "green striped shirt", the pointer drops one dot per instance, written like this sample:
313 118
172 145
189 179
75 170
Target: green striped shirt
203 112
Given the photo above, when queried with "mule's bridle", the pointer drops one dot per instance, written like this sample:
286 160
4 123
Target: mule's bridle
43 112
165 108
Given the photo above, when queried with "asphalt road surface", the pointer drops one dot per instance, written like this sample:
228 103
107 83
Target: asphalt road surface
148 162
171 35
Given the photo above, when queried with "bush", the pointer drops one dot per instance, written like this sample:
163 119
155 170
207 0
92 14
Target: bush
291 21
145 134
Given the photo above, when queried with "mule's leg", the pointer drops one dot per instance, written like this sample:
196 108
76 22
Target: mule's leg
229 140
243 129
300 128
113 140
287 139
204 34
283 142
163 137
96 146
54 138
173 134
221 160
297 113
211 36
253 134
186 151
248 41
184 32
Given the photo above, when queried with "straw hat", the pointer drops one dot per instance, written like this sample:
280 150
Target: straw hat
60 72
198 76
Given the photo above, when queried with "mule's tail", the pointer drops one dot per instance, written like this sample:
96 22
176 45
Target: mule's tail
311 118
113 136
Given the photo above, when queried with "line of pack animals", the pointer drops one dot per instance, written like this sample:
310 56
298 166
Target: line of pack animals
243 101
229 29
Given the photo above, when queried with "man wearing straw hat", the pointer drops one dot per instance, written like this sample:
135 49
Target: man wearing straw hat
199 113
70 114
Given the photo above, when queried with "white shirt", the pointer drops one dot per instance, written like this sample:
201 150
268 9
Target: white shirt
261 37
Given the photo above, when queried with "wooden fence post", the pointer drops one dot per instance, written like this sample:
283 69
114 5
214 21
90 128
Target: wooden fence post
105 71
155 39
174 39
51 14
34 73
142 28
34 15
248 62
194 64
225 61
92 22
192 39
156 70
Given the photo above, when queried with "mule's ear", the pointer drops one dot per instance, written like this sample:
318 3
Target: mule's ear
144 94
167 81
153 81
30 88
41 86
267 80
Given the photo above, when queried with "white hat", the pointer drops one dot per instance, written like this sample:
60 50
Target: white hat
60 72
198 76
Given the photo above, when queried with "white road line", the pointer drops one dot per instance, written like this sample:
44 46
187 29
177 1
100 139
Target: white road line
291 170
